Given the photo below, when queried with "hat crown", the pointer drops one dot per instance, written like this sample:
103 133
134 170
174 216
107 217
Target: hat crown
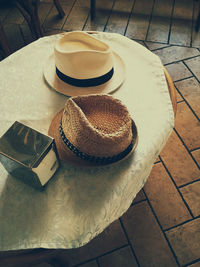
98 125
81 56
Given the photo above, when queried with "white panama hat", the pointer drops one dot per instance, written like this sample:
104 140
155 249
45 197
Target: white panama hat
81 64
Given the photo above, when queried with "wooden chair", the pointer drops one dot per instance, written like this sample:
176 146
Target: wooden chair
29 9
4 42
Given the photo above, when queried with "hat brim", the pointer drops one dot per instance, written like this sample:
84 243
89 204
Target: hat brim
69 90
67 156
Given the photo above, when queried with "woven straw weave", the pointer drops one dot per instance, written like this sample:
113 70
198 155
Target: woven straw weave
97 124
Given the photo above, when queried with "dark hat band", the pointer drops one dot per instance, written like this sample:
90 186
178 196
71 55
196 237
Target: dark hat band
85 82
93 159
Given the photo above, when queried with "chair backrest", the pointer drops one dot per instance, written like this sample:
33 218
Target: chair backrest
4 42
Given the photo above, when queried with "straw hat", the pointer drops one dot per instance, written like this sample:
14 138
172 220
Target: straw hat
82 64
93 129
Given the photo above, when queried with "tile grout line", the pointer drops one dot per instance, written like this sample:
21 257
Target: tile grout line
152 42
187 148
180 224
156 49
156 162
185 100
129 243
130 14
178 45
68 16
177 188
194 149
187 103
111 10
181 101
111 251
150 19
101 255
162 230
144 43
183 79
192 262
88 16
98 263
42 24
180 60
137 202
182 186
143 200
141 40
190 70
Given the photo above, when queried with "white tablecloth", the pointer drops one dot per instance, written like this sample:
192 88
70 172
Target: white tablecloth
78 203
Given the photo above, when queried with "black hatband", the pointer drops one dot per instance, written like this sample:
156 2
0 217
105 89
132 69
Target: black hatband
99 160
85 82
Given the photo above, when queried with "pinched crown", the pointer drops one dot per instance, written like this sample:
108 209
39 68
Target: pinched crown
99 125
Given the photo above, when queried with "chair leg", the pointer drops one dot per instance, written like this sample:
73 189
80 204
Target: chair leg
4 42
59 8
197 25
92 9
35 20
29 10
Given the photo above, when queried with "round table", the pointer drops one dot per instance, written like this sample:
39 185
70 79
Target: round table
78 204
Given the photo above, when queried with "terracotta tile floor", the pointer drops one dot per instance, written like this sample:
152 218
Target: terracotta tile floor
162 226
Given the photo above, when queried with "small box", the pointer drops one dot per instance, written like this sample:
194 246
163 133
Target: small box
28 155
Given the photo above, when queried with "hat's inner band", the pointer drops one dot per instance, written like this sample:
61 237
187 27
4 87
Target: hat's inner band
93 159
85 82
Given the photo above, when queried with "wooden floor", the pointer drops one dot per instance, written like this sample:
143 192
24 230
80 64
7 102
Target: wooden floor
162 226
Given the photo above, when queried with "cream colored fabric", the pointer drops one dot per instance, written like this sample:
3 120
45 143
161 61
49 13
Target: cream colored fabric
78 204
